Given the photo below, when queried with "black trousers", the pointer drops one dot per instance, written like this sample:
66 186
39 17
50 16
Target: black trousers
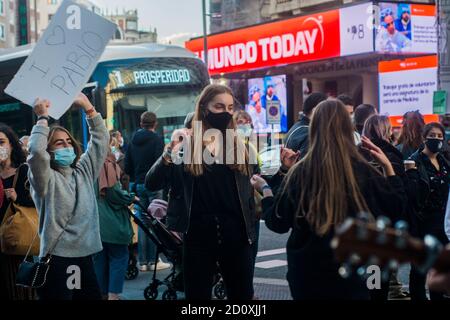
213 242
417 290
62 283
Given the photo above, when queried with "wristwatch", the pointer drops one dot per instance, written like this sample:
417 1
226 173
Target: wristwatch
43 118
266 186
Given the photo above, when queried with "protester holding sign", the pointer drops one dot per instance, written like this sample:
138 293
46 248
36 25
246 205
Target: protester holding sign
62 186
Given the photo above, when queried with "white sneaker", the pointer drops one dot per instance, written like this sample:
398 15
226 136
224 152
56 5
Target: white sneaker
143 268
161 265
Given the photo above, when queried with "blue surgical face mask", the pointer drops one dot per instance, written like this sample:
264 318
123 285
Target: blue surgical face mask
64 157
245 130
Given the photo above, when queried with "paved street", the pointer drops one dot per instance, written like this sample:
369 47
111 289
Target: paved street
270 272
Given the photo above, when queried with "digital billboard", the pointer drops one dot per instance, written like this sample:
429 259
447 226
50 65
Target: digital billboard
263 92
406 28
407 85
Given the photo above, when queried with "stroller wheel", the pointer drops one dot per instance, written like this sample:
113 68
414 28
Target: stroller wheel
219 290
132 272
150 293
169 295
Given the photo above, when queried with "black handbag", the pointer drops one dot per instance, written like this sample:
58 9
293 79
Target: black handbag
32 274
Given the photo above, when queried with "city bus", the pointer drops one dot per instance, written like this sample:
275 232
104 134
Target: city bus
128 80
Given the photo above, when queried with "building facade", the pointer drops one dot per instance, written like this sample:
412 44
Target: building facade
18 22
7 24
128 31
232 14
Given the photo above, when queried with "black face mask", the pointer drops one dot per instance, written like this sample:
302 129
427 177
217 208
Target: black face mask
219 121
434 145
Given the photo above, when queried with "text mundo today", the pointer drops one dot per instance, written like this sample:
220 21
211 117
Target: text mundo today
230 148
264 49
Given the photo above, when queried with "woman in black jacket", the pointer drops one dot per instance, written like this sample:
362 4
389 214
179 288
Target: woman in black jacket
219 223
331 183
378 129
431 178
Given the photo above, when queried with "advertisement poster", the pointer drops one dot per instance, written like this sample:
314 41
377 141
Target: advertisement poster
407 85
262 93
312 37
406 28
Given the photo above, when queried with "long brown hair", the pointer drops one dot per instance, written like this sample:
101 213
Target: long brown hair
75 144
325 173
197 143
411 134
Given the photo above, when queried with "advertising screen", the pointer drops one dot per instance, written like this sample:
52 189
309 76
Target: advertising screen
406 28
263 92
407 85
311 37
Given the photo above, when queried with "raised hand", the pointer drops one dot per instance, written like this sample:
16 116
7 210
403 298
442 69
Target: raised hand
83 101
41 107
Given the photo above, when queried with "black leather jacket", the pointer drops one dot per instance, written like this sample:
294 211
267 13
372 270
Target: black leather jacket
181 185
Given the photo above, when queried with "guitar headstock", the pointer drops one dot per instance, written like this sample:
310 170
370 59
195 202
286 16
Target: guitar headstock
359 243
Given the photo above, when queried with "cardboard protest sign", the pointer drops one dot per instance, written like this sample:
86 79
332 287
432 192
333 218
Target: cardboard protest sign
63 59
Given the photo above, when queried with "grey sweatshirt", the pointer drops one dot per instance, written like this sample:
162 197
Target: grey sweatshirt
59 195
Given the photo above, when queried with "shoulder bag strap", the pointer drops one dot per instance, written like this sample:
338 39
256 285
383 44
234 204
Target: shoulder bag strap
289 137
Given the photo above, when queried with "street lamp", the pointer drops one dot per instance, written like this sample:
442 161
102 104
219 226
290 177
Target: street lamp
205 35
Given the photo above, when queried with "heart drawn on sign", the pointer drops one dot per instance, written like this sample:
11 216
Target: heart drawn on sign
57 37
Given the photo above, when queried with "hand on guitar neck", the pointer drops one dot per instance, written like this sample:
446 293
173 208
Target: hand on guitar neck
360 243
439 281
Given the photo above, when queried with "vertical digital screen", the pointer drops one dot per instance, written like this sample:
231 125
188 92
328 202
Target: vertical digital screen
261 91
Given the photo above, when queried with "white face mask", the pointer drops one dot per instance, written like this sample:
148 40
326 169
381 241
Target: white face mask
4 153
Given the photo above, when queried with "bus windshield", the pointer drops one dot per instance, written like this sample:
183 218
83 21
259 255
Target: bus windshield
166 86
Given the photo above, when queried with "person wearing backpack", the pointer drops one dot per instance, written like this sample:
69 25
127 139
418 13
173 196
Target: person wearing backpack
297 137
116 231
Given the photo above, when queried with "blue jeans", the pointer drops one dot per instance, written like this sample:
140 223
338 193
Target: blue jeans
110 267
146 247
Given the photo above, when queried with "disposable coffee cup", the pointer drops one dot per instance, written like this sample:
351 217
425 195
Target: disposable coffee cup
409 164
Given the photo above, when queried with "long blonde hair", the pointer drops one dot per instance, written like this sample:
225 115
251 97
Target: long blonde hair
197 143
377 127
326 174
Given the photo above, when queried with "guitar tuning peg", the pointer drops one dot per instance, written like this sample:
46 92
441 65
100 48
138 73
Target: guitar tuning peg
401 226
393 265
345 271
346 268
383 223
364 216
354 259
361 271
401 230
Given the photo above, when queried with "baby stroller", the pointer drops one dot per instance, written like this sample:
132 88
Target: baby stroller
170 244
